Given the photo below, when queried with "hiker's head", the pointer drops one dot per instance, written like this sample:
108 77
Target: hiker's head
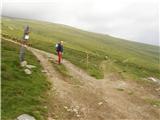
61 42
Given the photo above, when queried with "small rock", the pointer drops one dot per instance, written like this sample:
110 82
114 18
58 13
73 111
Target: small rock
106 57
27 71
65 107
158 89
78 115
154 105
69 110
45 107
153 79
75 110
44 71
30 66
24 63
25 117
100 103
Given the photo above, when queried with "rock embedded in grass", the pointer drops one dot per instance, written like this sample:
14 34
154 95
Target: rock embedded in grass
25 117
27 71
24 63
30 66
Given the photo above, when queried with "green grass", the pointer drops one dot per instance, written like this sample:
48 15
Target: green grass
142 60
21 93
65 74
62 70
153 102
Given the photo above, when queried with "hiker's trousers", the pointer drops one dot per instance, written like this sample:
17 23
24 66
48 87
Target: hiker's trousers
59 57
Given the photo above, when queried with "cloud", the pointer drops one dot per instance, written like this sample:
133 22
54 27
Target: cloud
129 19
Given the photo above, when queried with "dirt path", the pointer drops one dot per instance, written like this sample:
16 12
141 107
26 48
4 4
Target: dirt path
97 99
109 99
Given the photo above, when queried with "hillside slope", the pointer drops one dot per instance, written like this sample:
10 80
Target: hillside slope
127 58
21 93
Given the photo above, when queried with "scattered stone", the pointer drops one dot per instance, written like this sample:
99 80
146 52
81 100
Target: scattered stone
30 66
154 105
27 71
152 79
44 71
106 57
25 117
51 118
75 110
69 110
24 63
100 103
158 89
78 115
65 107
122 85
72 109
45 107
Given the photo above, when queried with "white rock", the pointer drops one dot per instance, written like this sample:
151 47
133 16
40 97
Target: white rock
30 66
100 103
25 117
78 115
158 89
45 107
24 63
27 71
153 79
69 110
65 107
75 110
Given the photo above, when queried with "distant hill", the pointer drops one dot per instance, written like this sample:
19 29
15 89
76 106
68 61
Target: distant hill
124 57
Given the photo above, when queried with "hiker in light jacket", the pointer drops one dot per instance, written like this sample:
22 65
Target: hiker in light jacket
26 34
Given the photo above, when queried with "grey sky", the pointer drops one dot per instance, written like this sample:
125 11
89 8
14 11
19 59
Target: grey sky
136 20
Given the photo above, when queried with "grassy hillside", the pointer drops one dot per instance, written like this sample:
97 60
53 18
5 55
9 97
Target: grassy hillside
130 58
21 93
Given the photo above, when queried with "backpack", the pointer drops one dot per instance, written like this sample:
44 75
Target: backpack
56 46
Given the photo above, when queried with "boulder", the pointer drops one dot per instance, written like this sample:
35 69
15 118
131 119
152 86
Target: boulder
24 63
30 66
25 117
27 71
